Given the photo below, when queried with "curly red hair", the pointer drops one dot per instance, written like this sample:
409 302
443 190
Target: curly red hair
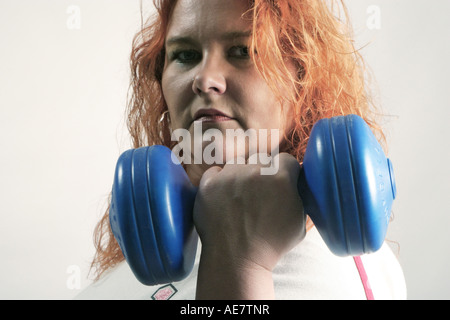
330 80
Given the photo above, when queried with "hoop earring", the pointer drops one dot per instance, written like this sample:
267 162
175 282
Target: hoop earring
164 116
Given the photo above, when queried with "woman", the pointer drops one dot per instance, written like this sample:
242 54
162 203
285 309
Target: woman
242 65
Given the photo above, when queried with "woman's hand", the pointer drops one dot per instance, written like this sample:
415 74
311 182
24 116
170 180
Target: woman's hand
246 222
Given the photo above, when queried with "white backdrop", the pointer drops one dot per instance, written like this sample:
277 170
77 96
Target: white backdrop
63 85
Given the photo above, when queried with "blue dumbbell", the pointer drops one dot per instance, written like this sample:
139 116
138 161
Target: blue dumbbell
346 183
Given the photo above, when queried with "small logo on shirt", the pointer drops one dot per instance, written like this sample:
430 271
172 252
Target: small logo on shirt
165 292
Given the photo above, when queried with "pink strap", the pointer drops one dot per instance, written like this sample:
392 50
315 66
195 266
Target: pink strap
364 278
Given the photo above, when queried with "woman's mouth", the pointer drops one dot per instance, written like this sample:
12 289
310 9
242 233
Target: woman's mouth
211 115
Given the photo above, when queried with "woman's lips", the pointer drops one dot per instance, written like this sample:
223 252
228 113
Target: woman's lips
213 119
211 115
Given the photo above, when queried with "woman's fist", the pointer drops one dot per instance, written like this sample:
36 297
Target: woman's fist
249 218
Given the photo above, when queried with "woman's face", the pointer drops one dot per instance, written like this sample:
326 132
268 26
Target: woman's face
208 76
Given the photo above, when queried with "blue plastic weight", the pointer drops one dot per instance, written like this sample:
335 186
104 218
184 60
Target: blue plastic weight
346 183
150 215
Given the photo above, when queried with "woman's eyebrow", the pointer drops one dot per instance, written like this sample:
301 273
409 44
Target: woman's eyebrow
233 35
179 40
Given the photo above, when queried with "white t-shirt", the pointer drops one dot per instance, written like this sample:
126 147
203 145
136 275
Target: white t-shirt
309 271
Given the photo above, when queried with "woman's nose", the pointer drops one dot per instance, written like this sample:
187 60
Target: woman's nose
210 79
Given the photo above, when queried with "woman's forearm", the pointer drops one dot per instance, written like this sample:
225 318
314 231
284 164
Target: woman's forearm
224 278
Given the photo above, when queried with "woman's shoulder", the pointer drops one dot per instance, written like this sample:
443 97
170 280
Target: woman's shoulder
117 283
385 274
311 271
120 283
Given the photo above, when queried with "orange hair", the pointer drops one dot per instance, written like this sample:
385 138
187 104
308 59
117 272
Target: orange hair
330 80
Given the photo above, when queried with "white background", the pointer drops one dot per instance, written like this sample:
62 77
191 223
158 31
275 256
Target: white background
62 100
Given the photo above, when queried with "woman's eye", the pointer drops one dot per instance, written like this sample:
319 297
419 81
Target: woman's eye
239 52
185 56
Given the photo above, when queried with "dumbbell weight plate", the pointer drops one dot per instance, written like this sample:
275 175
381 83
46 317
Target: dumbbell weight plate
347 185
150 200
